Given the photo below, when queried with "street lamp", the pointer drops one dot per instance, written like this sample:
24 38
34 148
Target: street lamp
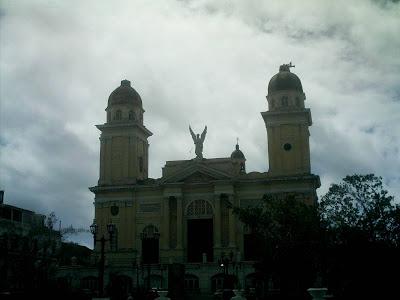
137 266
94 230
224 262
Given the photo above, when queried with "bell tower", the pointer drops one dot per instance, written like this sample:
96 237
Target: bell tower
287 121
124 147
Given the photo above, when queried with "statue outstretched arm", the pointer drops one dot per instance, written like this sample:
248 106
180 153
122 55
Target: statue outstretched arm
192 133
203 135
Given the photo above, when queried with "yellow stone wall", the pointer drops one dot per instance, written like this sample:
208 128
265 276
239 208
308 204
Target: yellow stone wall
147 205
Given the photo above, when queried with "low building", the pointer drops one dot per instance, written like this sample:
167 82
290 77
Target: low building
25 250
16 220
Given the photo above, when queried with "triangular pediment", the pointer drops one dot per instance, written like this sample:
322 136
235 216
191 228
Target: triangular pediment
197 177
196 173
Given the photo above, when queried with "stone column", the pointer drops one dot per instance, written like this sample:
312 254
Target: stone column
232 224
217 221
179 222
165 229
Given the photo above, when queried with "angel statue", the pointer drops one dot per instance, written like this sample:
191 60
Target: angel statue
198 141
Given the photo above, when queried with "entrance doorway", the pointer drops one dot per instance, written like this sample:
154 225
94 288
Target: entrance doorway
150 244
150 251
199 239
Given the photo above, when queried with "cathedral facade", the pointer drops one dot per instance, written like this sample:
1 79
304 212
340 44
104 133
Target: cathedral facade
185 217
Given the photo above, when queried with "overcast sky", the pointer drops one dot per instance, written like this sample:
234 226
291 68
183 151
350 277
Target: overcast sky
193 62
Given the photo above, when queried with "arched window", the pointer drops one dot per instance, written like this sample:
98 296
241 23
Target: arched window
118 115
64 283
191 282
154 281
132 115
217 282
222 281
272 103
254 280
89 282
150 231
199 208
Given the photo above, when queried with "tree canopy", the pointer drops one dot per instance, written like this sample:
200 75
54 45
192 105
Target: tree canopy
280 219
360 204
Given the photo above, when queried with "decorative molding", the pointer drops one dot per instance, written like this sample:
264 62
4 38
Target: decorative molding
149 207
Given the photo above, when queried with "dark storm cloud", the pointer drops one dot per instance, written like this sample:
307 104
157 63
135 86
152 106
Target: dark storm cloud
193 62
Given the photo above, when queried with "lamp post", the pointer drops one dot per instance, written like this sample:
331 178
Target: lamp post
162 269
224 262
94 230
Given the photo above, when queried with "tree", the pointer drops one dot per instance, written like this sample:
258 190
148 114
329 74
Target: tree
363 226
280 220
360 205
288 234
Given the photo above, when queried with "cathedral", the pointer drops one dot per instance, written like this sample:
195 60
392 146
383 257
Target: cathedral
185 217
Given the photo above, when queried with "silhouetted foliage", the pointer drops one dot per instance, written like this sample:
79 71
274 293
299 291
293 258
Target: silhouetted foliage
281 220
68 250
349 242
362 228
361 206
288 234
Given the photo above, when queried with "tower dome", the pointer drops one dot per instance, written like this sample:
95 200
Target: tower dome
237 153
285 81
124 94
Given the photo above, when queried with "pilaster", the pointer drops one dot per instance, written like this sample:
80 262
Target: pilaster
179 221
217 221
232 223
165 227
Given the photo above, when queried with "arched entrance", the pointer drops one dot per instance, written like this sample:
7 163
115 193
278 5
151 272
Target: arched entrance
199 215
150 244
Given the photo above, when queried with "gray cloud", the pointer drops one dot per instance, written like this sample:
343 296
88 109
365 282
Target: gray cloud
193 62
